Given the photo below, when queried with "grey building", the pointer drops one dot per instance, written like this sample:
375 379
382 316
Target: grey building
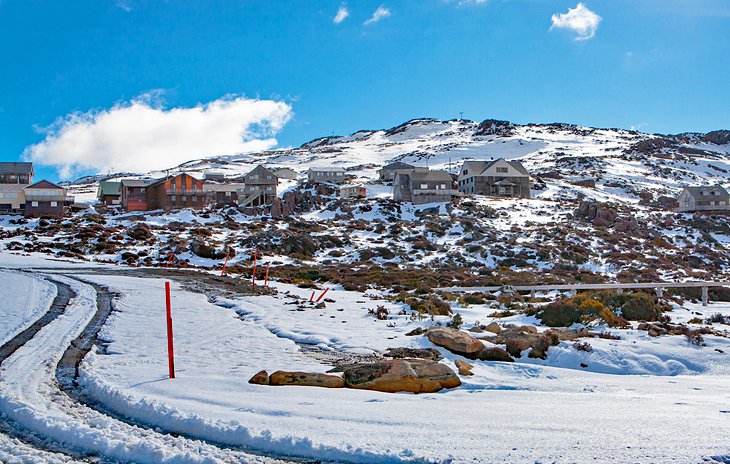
260 187
419 187
499 178
332 175
387 173
703 199
286 173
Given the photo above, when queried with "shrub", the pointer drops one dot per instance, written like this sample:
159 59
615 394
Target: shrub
718 318
456 322
381 313
561 313
430 305
695 337
640 307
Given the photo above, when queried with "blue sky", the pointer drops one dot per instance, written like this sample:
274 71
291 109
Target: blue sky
655 65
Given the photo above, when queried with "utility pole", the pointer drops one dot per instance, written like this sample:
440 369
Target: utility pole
461 115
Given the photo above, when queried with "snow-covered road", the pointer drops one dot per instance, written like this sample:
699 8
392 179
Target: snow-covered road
31 402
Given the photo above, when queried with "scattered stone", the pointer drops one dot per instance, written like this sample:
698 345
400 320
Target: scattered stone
455 341
475 329
260 378
583 365
494 354
493 327
413 353
464 367
306 379
401 375
416 331
531 329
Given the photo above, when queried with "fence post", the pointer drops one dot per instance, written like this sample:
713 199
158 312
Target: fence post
170 347
266 279
705 296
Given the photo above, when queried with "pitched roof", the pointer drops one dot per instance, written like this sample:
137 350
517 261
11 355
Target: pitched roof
481 166
260 168
137 182
43 184
110 187
328 169
13 167
434 176
719 192
396 165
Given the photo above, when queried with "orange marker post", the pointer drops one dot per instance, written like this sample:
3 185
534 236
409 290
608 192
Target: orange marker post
170 347
223 271
253 273
169 260
266 278
322 295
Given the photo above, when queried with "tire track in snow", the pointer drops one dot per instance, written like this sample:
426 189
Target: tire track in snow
31 401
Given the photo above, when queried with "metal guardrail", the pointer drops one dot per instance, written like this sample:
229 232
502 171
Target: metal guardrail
533 289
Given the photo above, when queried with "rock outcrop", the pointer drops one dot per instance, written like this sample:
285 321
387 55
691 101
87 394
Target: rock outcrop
401 375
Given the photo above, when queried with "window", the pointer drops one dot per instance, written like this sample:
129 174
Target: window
466 171
502 170
424 186
34 204
228 194
705 193
172 198
54 204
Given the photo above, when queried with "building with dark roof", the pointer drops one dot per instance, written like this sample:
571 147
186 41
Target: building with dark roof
704 199
419 187
499 178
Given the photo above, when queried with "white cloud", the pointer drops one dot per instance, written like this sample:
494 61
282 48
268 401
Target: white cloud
380 13
580 20
467 2
140 135
124 5
341 15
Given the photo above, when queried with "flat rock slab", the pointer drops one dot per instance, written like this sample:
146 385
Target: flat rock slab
401 375
306 379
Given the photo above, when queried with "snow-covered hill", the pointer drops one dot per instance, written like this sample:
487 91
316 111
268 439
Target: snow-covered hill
624 164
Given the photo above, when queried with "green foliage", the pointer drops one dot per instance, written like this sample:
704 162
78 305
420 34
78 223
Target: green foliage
456 322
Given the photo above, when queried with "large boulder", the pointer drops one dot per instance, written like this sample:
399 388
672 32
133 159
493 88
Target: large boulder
401 375
455 341
305 379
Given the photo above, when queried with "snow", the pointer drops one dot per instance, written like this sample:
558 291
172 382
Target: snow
29 398
514 412
29 299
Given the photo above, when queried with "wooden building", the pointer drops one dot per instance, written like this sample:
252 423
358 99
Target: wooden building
333 175
134 194
222 195
109 192
420 187
260 187
704 199
45 199
175 192
499 178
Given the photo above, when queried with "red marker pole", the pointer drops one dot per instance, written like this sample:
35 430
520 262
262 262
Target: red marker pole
223 271
169 260
266 279
170 348
311 298
253 273
322 295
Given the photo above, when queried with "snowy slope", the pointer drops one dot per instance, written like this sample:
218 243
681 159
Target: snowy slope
623 162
